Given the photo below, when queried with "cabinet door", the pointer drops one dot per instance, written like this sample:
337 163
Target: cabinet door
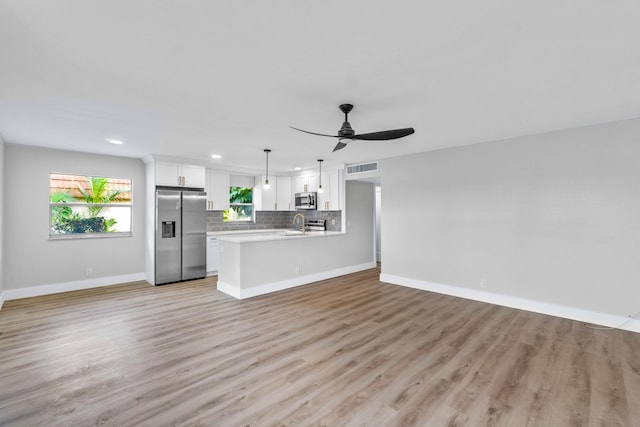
168 174
177 175
325 197
217 190
335 196
329 200
283 195
213 257
266 199
305 183
193 176
298 184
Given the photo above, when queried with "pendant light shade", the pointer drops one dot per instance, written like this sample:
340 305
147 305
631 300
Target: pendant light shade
266 184
320 189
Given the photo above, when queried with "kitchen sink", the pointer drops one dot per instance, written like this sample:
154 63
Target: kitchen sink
291 233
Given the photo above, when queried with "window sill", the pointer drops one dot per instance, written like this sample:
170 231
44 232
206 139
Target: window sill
84 236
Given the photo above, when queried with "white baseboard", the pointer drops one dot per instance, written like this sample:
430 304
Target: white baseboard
1 300
54 288
567 312
242 293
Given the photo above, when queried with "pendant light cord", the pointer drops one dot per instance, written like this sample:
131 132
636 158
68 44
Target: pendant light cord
266 181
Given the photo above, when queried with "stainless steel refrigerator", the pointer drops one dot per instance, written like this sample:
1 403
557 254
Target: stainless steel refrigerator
181 235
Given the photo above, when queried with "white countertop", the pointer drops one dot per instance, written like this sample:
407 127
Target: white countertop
248 236
245 232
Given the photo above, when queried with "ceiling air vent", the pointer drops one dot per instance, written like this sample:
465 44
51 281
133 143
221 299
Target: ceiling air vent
362 167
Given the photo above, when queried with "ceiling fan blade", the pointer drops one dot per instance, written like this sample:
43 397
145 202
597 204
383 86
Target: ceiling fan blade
339 146
384 135
314 133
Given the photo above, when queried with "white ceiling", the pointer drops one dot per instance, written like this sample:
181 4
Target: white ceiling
192 78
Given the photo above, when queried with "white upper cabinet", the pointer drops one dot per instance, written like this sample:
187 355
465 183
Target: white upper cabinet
265 200
277 198
332 185
217 189
179 175
329 199
283 195
305 183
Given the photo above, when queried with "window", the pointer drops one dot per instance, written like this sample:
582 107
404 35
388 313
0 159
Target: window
240 204
83 206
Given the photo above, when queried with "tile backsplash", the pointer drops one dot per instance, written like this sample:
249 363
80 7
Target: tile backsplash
272 219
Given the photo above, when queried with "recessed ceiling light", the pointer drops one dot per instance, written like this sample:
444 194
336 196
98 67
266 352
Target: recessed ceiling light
114 141
216 156
297 168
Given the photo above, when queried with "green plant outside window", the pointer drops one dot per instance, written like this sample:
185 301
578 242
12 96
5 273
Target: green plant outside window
240 204
88 205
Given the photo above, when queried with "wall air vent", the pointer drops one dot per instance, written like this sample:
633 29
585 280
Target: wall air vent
362 167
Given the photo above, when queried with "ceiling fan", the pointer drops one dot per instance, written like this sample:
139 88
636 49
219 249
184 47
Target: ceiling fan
347 132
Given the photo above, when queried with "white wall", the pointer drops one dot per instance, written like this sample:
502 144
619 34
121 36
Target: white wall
551 220
34 264
2 183
360 222
378 223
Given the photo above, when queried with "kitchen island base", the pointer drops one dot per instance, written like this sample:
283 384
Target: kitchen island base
252 267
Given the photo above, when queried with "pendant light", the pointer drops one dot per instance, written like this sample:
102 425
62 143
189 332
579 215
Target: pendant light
320 189
266 184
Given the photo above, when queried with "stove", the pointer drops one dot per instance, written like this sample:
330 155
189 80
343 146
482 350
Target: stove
315 225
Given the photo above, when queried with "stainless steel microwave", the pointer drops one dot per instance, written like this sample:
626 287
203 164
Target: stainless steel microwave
306 200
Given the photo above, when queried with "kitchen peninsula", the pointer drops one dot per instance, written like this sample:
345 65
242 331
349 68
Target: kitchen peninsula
257 264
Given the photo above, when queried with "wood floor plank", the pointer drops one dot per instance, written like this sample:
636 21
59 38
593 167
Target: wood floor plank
347 351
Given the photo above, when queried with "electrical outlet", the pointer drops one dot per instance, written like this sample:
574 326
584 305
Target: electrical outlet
483 283
89 272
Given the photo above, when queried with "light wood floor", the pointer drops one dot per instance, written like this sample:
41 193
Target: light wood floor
347 351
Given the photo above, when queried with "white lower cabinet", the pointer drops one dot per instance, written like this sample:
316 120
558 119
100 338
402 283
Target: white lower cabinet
213 258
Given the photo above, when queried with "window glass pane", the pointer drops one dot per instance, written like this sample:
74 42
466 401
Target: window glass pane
240 204
89 205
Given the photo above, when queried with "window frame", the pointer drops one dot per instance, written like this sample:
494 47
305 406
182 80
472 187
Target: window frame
77 203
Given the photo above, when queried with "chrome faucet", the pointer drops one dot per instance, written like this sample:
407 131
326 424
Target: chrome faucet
294 221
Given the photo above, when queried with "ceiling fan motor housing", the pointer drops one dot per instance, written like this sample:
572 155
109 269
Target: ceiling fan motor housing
346 131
